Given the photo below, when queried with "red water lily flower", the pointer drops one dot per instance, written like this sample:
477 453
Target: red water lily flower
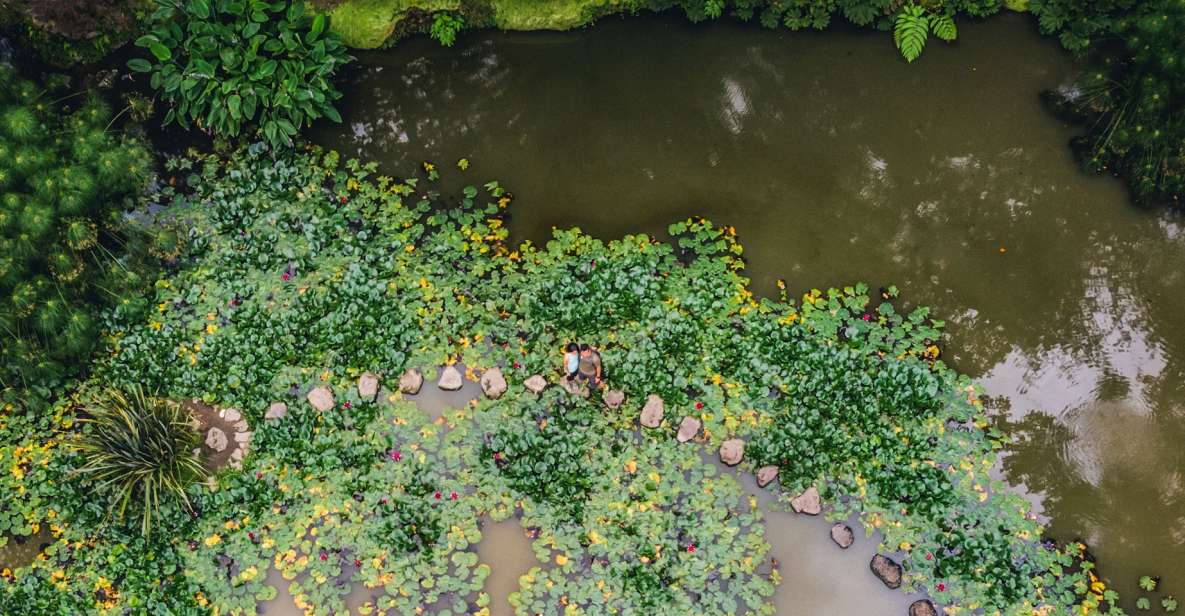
342 199
357 563
452 496
929 556
867 317
285 276
324 556
347 404
691 548
517 365
497 456
436 496
940 586
699 405
396 455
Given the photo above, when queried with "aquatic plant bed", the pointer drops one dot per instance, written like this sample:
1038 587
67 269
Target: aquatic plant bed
306 291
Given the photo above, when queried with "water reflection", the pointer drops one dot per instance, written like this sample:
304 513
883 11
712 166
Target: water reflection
836 161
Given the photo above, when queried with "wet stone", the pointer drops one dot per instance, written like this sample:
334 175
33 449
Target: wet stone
411 381
535 384
277 410
652 412
808 502
574 387
241 425
614 398
923 607
766 475
886 570
216 439
231 415
688 428
450 379
732 451
243 437
842 535
493 384
368 386
321 398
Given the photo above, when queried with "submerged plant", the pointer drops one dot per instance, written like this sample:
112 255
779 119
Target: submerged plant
140 449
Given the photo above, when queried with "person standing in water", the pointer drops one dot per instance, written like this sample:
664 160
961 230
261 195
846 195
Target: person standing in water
589 366
571 360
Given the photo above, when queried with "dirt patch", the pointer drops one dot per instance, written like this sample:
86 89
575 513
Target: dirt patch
206 417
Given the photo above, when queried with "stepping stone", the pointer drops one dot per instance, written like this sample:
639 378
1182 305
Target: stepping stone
277 410
732 451
368 386
688 428
321 398
535 384
411 381
216 440
886 570
231 415
766 475
842 535
243 437
652 412
614 398
493 384
450 379
574 387
808 502
923 607
241 425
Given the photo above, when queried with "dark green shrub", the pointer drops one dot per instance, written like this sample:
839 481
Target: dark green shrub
236 67
1130 99
65 32
140 449
64 250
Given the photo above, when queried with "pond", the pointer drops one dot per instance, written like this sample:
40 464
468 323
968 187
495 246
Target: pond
838 162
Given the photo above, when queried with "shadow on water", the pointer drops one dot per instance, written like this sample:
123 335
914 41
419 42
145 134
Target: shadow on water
837 161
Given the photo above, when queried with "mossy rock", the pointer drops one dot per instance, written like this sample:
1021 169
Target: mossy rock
368 24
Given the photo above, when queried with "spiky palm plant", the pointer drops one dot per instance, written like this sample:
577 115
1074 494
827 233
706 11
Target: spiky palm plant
141 448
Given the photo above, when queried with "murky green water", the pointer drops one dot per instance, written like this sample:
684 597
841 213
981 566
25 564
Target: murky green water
838 162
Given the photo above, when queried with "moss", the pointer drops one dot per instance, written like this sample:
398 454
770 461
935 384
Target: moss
367 24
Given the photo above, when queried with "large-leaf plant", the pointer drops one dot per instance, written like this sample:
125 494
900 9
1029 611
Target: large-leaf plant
241 67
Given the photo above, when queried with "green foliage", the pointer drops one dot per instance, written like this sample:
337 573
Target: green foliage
246 67
1130 99
65 249
303 272
910 29
445 27
140 449
943 26
1169 604
1148 583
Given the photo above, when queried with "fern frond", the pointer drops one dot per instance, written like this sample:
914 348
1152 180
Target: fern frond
910 31
943 26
